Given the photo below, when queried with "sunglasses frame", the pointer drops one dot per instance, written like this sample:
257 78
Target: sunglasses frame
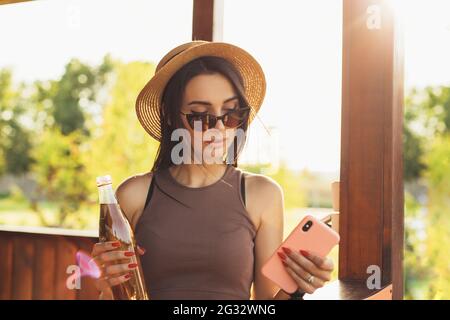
217 118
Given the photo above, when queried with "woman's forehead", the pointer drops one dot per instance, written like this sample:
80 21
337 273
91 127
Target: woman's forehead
214 88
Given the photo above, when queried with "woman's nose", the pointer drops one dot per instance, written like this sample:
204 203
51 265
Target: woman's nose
219 124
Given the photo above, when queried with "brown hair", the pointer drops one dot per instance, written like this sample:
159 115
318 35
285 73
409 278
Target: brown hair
172 98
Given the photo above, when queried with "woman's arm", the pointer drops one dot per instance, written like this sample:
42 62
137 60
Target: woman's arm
131 195
308 271
265 200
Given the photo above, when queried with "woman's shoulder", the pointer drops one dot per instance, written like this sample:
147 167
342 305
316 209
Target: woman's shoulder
263 193
264 198
132 193
260 183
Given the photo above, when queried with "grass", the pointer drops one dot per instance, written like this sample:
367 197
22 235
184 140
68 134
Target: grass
17 212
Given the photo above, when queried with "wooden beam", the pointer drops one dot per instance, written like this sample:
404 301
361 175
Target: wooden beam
350 290
371 183
207 20
12 1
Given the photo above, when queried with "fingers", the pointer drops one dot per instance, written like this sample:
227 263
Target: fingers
114 281
322 263
307 265
101 247
102 284
115 264
115 255
119 268
302 284
303 274
109 258
140 250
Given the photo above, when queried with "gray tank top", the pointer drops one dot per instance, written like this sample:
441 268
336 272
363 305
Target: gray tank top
199 241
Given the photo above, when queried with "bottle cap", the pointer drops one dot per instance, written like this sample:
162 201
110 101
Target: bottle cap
103 180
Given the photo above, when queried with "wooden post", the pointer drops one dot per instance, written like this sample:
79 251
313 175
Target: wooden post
12 1
371 182
207 20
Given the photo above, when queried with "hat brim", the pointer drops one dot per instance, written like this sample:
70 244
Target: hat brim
148 102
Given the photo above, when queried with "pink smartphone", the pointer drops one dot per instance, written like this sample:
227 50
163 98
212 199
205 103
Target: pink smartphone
311 235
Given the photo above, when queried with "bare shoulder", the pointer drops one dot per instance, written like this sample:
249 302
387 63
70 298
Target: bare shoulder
262 186
264 197
132 193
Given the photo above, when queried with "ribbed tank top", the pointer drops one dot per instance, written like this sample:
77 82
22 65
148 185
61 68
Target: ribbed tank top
199 241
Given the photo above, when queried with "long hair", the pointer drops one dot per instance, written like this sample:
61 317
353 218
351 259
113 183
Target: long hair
170 118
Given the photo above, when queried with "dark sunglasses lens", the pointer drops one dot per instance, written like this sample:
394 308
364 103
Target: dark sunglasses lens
236 118
204 120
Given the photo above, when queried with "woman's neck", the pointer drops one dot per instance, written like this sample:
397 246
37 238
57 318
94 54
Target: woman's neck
197 175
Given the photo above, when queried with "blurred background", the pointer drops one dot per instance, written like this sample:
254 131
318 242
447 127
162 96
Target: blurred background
70 72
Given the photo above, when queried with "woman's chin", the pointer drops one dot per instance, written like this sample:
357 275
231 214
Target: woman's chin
213 152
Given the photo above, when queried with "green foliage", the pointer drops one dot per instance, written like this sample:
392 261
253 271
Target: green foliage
15 140
120 146
292 183
416 271
59 171
427 157
427 114
438 219
76 89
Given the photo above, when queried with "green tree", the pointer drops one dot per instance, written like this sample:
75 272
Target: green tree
119 145
438 219
427 114
15 137
426 158
77 90
62 109
60 173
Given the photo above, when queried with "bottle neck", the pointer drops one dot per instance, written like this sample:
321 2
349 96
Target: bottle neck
106 194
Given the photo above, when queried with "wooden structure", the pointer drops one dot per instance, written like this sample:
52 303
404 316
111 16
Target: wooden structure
371 182
35 261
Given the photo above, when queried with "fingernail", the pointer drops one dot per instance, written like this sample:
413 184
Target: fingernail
142 249
116 244
287 250
304 253
129 254
281 255
132 265
128 276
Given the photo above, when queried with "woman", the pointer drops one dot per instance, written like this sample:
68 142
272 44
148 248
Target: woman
207 227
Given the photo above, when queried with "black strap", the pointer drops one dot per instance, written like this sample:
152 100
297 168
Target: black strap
150 192
151 187
243 187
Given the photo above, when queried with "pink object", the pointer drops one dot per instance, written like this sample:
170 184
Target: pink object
319 239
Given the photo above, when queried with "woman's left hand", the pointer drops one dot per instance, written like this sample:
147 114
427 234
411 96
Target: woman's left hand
309 271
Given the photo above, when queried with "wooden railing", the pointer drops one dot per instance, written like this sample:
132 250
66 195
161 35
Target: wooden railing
34 262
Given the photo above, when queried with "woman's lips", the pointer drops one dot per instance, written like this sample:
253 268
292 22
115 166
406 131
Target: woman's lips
215 142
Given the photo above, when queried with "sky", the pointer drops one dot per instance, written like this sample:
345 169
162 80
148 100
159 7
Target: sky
297 42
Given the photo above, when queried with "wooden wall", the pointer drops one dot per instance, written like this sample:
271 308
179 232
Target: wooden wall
33 265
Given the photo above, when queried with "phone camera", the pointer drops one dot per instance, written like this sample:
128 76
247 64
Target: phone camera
307 225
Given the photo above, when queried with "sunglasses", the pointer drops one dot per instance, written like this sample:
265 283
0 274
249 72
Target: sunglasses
232 119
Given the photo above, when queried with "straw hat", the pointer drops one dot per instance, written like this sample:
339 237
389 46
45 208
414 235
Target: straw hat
148 102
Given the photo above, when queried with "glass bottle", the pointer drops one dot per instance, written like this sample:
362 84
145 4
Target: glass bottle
114 226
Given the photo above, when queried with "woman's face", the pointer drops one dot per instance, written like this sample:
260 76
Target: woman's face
213 94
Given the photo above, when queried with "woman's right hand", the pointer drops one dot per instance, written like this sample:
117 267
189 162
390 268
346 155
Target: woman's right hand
114 265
